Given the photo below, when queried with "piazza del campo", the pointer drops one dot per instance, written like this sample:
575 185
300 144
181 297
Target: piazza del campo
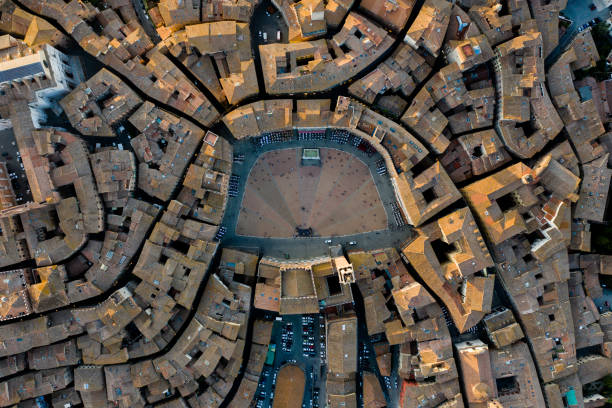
305 203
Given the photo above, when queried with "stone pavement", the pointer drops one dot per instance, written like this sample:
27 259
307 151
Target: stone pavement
296 248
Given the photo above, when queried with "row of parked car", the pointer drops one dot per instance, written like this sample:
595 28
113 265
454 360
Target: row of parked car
593 22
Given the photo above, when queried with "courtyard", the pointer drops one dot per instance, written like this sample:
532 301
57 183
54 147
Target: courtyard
337 198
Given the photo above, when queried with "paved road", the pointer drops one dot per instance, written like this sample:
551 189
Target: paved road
145 21
579 12
367 354
313 246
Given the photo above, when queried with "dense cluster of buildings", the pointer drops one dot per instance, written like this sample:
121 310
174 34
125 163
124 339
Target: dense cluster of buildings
222 47
317 65
116 288
124 46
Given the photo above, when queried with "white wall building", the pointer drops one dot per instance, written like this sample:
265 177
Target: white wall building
46 75
602 4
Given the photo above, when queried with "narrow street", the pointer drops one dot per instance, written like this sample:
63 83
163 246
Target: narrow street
145 20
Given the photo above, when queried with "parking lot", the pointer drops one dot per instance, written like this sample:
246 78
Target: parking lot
11 156
298 341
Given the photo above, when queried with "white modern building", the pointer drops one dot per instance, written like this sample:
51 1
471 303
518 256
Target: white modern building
602 4
43 77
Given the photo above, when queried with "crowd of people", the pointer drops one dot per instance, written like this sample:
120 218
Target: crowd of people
273 137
